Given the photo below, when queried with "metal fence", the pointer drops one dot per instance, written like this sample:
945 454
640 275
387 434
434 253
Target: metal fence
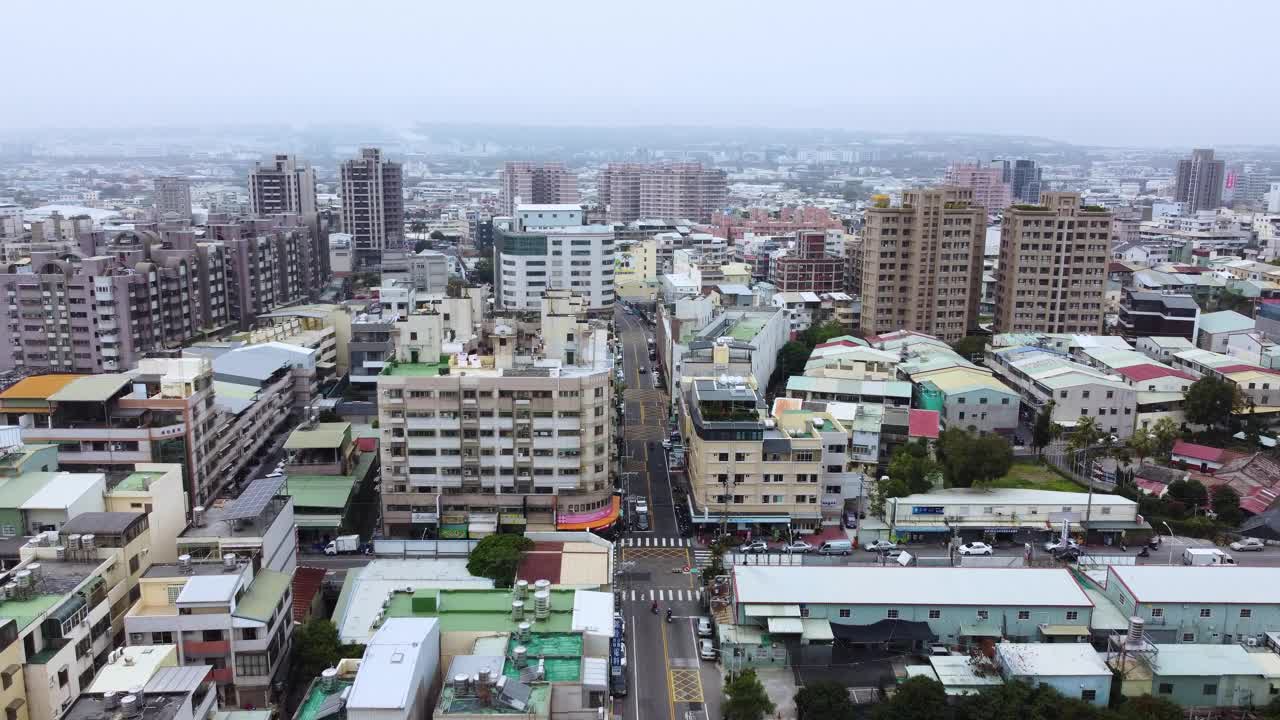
423 548
731 559
1078 467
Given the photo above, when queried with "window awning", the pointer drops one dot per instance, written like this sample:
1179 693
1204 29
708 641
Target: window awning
1064 630
786 626
816 629
15 704
921 528
12 670
773 611
981 630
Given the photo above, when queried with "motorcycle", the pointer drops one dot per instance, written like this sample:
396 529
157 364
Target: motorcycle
654 608
1144 553
668 614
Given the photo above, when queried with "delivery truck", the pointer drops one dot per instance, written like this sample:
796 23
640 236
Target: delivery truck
343 544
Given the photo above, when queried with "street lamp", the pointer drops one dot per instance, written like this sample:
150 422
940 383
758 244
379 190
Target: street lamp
1166 527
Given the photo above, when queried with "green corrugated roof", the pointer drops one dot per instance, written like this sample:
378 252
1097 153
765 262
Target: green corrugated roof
322 436
263 596
25 612
94 388
15 491
318 521
137 481
320 491
484 610
747 328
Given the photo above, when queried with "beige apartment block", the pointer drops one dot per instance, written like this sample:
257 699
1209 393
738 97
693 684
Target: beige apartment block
922 264
1053 267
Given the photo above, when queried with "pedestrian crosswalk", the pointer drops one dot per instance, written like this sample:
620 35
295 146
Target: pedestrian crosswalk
663 595
656 542
701 558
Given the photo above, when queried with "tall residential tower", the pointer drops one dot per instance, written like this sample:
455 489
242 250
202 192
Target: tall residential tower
372 205
1199 181
283 186
529 183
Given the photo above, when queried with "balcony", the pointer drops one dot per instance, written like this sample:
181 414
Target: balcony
207 648
222 675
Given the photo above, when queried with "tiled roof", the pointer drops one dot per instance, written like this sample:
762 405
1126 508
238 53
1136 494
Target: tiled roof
1199 452
306 583
1151 371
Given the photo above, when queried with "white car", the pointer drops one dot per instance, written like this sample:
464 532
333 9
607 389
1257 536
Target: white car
1248 545
1059 544
704 627
706 649
797 546
880 546
755 546
975 548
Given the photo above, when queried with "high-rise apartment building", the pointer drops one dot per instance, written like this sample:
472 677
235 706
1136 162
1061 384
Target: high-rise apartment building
548 247
284 186
669 191
530 183
271 262
1026 182
1199 181
525 432
989 183
172 198
922 264
372 205
1053 267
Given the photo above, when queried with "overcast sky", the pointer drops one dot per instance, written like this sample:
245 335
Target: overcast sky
1167 72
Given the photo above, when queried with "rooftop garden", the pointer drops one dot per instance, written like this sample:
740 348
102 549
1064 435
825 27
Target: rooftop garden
728 412
1031 208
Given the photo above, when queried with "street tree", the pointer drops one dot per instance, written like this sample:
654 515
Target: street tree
497 557
1190 493
1045 429
1226 504
316 646
826 700
1166 433
968 459
1211 400
482 273
917 698
745 698
1142 443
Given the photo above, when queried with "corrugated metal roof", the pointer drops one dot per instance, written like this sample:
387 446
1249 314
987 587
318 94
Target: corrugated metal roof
92 388
38 387
322 436
183 678
263 596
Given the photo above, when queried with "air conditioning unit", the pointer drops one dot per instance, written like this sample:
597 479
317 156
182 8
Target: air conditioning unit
1251 642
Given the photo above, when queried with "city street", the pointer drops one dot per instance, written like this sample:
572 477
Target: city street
667 679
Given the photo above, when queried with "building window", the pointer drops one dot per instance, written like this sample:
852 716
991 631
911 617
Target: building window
1024 614
984 615
1188 637
1157 612
844 612
173 591
1088 695
63 677
935 614
1246 612
1073 615
891 613
252 664
1211 688
1206 612
1165 689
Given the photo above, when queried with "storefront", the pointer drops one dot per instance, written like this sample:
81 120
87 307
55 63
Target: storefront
598 519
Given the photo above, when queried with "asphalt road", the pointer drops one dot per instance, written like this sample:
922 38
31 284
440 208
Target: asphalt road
667 677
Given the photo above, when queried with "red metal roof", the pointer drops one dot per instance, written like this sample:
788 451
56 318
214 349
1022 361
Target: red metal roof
922 424
1151 487
306 583
1244 368
367 444
1150 371
1199 452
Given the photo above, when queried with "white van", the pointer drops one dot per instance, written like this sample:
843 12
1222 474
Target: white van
1206 556
835 547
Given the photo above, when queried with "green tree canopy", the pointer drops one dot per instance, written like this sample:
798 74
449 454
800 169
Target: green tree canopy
1211 400
1226 504
436 235
316 646
971 347
483 271
818 334
421 245
1045 430
968 459
1166 433
497 556
1145 707
824 701
1142 443
917 698
1189 492
745 698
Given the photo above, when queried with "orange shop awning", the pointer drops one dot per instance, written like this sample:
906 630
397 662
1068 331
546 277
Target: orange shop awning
594 520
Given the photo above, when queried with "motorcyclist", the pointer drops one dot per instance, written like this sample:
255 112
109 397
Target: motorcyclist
668 614
654 607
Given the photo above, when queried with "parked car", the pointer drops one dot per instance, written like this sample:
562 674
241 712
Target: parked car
1248 545
704 626
835 547
755 546
797 546
706 649
880 546
1068 553
1059 544
975 548
643 370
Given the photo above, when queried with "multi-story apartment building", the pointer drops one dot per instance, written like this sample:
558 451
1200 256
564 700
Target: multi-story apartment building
808 267
1158 314
284 186
751 470
734 225
142 291
429 271
172 198
474 439
1026 182
922 264
668 191
271 263
1052 272
530 183
1199 181
372 205
989 183
230 614
548 247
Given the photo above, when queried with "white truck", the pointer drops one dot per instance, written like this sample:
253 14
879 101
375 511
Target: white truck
1206 556
343 544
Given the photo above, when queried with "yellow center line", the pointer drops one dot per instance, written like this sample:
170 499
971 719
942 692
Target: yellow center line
666 660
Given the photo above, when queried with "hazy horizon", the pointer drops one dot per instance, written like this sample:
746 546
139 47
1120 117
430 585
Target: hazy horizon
1152 74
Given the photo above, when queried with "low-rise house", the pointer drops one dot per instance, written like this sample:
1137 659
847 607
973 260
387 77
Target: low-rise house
1216 329
1023 515
167 692
1198 604
1254 348
968 398
1207 459
398 672
260 522
1162 347
1160 392
1144 313
1076 390
1201 676
1073 669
